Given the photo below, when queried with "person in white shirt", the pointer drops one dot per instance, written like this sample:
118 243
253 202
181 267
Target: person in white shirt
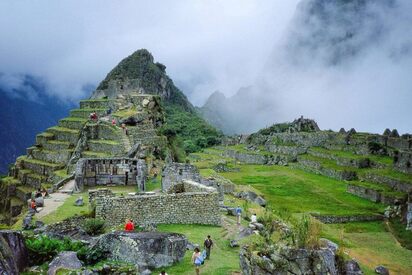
253 218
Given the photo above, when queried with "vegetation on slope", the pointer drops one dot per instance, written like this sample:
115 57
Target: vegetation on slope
188 131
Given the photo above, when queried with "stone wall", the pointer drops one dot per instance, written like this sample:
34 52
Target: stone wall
345 219
403 162
110 171
198 207
176 172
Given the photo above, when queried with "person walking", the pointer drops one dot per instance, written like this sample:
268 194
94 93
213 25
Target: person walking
208 246
238 211
196 260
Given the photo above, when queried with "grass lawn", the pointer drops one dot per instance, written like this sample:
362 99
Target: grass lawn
372 245
223 260
283 187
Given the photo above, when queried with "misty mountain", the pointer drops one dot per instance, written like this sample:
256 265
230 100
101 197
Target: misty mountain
25 110
336 62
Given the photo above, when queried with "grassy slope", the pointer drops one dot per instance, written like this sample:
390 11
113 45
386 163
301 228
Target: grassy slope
284 186
299 191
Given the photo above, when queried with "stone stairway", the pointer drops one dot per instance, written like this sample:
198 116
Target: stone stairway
126 142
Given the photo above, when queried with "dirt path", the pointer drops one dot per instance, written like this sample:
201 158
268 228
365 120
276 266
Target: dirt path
55 200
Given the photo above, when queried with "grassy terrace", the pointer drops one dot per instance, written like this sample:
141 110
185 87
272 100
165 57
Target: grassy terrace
104 141
76 119
327 163
126 113
390 173
386 160
241 148
296 190
383 189
93 154
39 162
63 129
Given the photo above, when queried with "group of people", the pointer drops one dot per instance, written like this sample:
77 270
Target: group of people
198 258
34 202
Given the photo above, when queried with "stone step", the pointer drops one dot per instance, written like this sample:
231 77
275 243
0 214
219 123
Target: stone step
111 147
56 145
85 113
44 137
35 180
38 166
96 103
76 123
92 154
59 157
65 134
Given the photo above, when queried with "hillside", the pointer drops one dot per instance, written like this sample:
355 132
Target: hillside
139 73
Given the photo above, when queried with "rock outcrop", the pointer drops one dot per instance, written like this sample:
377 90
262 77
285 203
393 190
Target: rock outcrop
147 249
64 260
13 252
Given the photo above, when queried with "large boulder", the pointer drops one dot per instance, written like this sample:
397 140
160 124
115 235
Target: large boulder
13 252
252 197
64 260
145 249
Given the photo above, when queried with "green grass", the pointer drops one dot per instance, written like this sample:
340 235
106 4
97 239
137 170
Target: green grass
95 100
327 163
58 142
68 209
75 119
223 260
39 162
46 134
153 184
61 173
283 187
372 245
390 173
383 189
104 141
241 148
63 129
402 235
126 113
94 154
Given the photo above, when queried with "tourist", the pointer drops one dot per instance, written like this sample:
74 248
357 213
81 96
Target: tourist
197 260
109 111
38 194
208 245
238 211
163 272
129 225
253 218
114 122
33 205
44 193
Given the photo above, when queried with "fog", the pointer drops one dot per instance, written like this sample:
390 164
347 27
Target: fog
206 45
345 66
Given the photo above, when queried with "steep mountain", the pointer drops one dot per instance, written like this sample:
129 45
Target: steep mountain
23 117
138 73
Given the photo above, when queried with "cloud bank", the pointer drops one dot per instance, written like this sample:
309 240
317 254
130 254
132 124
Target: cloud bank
206 45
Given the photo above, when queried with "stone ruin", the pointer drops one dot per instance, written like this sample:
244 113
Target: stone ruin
110 171
188 202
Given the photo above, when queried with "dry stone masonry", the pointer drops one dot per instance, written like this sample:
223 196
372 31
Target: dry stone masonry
194 203
110 171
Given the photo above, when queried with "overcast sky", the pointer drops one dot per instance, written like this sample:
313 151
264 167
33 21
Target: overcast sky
215 45
206 45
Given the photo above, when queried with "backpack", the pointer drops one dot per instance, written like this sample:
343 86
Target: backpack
201 259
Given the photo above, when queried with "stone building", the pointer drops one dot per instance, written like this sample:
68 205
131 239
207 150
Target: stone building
110 171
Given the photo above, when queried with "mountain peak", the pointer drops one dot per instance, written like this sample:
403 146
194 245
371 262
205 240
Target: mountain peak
138 73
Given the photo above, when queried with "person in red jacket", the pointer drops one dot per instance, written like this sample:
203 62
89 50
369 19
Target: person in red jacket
129 226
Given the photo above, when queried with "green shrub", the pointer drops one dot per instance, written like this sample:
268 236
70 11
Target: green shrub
90 256
306 232
43 248
94 226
